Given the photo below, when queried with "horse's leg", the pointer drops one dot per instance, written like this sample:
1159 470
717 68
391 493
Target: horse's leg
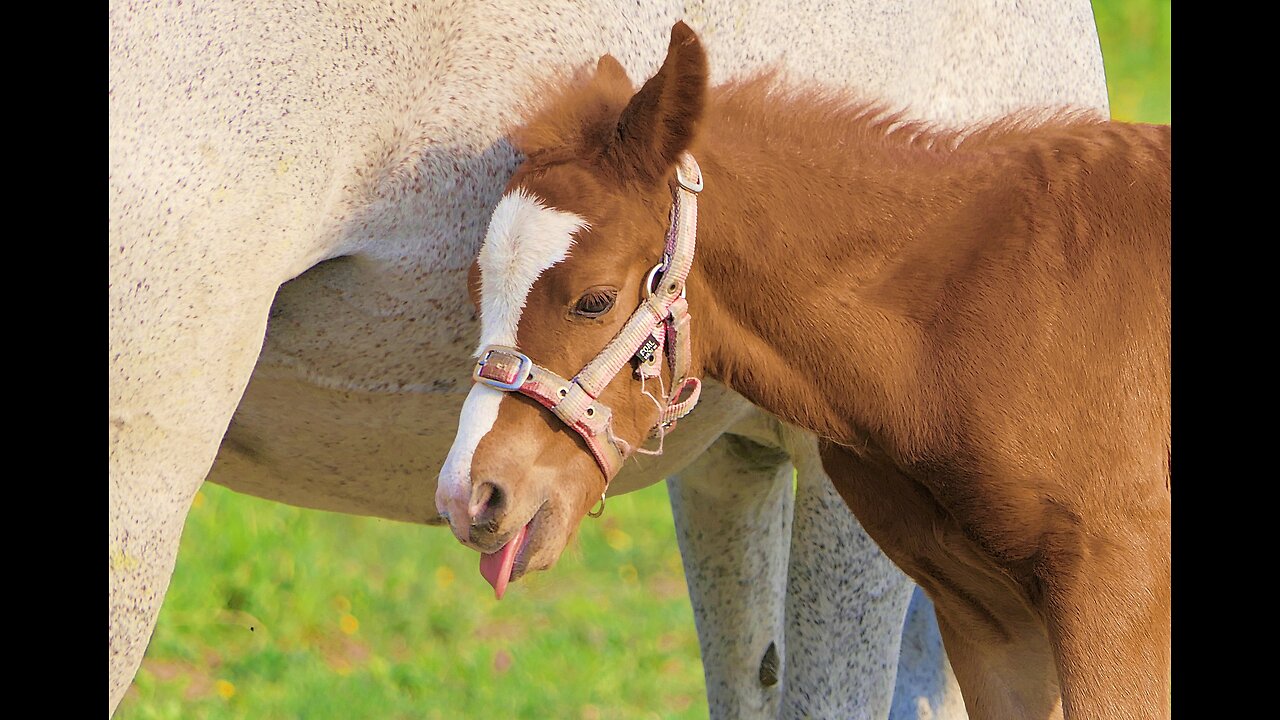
173 390
994 640
202 232
1092 643
1010 676
846 604
1107 610
732 511
146 510
926 686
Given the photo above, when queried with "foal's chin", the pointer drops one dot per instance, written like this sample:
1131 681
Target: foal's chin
550 501
550 531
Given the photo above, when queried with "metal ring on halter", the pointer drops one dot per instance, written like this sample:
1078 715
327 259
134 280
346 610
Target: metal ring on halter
599 510
647 285
686 182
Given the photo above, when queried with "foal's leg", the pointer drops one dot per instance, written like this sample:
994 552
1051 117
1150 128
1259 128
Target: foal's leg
1008 677
995 642
1108 613
732 509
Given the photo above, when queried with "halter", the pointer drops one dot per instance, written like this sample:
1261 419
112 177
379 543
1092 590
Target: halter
660 323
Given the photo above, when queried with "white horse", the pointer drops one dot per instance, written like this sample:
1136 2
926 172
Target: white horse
296 192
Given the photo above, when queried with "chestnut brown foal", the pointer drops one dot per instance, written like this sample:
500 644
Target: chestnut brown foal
975 326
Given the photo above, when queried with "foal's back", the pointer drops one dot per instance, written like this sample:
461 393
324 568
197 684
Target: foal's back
1056 323
1040 501
1044 304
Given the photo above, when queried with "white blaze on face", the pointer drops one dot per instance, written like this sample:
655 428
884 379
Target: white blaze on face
525 238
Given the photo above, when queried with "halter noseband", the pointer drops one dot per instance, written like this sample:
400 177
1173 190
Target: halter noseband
660 323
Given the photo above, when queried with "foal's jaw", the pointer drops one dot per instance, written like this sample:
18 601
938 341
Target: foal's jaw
529 523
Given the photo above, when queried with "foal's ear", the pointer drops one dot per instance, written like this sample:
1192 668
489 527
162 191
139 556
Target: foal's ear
610 70
661 120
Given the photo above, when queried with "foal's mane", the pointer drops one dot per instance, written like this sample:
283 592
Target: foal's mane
576 117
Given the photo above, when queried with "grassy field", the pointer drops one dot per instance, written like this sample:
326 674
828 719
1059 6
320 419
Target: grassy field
279 612
1135 36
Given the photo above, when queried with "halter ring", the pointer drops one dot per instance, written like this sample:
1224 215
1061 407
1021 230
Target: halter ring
599 509
686 182
651 277
647 286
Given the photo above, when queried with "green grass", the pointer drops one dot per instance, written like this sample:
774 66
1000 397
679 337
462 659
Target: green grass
1136 38
280 612
276 611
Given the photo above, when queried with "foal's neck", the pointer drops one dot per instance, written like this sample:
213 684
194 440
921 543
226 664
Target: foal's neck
823 252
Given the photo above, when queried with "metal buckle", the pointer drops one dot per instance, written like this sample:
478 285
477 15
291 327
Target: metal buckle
522 370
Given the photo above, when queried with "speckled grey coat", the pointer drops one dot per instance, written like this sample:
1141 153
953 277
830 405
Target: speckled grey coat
251 143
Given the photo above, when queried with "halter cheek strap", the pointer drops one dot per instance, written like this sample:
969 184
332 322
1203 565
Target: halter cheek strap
503 367
658 328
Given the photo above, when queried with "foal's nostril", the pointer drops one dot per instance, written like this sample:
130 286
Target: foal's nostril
486 500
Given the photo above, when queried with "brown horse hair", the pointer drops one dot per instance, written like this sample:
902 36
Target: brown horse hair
975 323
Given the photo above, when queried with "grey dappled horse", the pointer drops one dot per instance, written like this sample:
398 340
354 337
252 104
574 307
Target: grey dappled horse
296 193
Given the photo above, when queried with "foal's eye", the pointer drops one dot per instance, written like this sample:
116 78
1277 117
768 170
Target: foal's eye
595 302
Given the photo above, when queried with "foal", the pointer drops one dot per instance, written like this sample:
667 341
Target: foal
976 328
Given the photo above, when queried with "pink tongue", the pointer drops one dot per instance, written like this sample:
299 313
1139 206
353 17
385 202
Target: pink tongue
496 567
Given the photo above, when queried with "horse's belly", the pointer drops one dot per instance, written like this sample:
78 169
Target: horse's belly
354 402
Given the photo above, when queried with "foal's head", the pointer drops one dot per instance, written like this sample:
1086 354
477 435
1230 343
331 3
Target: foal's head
566 262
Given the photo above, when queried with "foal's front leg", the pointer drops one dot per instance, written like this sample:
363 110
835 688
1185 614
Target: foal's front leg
1108 613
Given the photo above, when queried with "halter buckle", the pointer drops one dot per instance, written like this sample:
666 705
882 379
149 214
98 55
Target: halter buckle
503 368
